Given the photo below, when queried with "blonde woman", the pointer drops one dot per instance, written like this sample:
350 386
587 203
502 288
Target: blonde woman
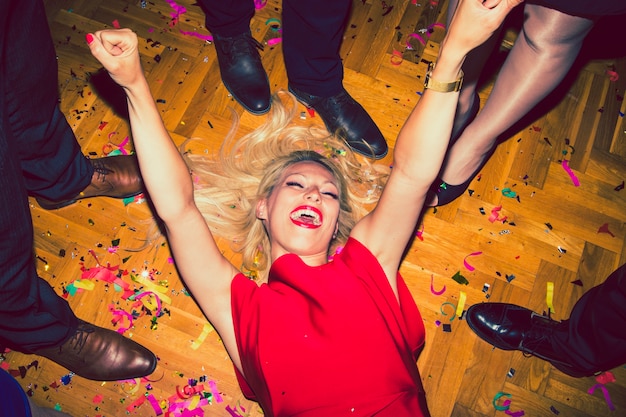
316 337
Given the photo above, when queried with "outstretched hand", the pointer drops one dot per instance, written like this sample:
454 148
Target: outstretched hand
474 21
116 49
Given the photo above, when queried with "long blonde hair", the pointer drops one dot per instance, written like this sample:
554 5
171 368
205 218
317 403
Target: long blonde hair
246 170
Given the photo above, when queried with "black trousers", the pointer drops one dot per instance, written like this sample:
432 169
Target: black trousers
594 336
312 35
39 155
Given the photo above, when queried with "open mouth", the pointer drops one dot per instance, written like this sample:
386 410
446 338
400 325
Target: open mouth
306 216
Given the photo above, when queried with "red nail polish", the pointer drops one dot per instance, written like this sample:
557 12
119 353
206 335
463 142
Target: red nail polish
89 38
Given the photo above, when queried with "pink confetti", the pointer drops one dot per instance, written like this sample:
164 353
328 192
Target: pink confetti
208 38
432 286
118 315
467 265
155 405
396 57
613 75
215 392
607 397
420 233
571 174
415 36
495 215
507 403
233 411
135 404
116 24
605 378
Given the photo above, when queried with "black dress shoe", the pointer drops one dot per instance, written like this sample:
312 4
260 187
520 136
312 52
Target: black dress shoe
242 71
102 355
511 327
114 176
343 115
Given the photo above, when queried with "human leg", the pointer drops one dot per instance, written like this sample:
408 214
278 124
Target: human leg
15 403
595 338
592 340
33 318
52 164
238 56
543 53
312 35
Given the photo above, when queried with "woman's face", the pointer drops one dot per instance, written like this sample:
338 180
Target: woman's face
301 214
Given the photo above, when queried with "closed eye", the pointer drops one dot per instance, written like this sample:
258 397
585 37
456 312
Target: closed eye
294 184
333 195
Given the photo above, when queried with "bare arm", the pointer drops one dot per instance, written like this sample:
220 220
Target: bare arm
205 271
423 140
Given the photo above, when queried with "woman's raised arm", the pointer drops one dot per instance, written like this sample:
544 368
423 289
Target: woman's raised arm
423 140
168 182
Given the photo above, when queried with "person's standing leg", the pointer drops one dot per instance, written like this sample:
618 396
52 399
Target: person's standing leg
543 54
240 64
312 35
33 318
54 168
593 337
590 341
31 314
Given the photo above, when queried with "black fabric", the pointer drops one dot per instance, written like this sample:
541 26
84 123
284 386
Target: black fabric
39 155
12 397
312 35
585 8
593 337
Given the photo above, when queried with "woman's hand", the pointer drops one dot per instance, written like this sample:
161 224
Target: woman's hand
474 21
116 49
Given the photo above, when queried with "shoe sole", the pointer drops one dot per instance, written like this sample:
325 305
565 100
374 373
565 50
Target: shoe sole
249 110
66 203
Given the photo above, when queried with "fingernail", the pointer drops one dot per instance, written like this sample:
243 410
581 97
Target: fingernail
89 38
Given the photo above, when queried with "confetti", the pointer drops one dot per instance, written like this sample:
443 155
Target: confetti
467 265
607 397
569 171
550 296
432 288
605 229
460 278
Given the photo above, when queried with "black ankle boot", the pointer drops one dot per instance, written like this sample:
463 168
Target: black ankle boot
242 71
343 115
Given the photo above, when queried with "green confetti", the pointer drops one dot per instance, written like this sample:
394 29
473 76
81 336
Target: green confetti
460 278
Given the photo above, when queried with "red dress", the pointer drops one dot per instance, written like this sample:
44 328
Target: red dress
330 340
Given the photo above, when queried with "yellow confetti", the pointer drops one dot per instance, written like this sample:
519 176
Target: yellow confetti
194 402
86 285
461 305
550 296
205 332
150 286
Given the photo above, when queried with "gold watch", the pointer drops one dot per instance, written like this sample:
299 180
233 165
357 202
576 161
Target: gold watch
442 87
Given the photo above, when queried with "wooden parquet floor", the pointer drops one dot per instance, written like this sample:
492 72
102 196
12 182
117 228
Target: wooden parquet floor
550 232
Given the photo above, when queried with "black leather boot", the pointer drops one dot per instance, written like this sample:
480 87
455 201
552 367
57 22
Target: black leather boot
511 327
242 71
343 115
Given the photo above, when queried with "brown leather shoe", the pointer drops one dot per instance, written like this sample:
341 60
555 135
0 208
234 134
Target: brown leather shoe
113 176
101 354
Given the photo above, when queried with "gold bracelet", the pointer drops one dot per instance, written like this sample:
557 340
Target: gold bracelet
442 87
